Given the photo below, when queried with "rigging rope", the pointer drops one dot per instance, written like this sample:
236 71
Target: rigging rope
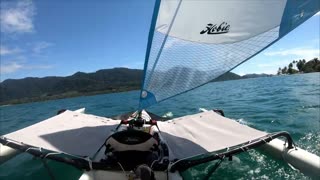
124 172
215 167
44 162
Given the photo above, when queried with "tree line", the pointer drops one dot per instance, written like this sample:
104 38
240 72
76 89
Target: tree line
15 91
301 66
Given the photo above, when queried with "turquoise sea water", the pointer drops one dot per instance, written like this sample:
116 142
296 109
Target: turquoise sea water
290 103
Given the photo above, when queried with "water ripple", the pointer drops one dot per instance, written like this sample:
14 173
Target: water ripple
284 103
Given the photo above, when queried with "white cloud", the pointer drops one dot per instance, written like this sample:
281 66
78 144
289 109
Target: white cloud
174 42
170 43
38 67
132 65
17 17
306 53
265 65
317 14
7 51
265 71
38 47
10 68
276 64
15 66
316 41
257 71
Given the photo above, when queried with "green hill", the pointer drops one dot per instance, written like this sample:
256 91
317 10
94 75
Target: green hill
15 91
301 66
39 89
228 76
255 75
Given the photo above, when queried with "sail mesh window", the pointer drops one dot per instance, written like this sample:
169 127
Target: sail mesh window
194 42
184 65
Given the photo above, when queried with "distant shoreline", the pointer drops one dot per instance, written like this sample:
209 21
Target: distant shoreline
31 89
83 84
300 67
57 97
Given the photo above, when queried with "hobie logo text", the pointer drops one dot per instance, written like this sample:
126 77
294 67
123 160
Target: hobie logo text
215 29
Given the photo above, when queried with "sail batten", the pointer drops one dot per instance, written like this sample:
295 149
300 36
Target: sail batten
195 42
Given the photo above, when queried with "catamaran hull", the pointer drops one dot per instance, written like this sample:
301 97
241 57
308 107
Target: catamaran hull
120 175
306 162
7 153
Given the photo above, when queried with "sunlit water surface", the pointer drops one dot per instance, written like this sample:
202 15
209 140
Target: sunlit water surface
282 103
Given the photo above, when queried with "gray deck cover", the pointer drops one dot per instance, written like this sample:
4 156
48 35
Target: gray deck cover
70 132
82 134
204 132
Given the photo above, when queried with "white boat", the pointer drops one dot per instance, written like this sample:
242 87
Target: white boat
190 44
117 147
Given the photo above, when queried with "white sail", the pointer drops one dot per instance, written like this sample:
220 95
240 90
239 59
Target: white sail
241 19
193 42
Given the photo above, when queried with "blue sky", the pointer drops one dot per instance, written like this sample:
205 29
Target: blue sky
58 38
301 43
